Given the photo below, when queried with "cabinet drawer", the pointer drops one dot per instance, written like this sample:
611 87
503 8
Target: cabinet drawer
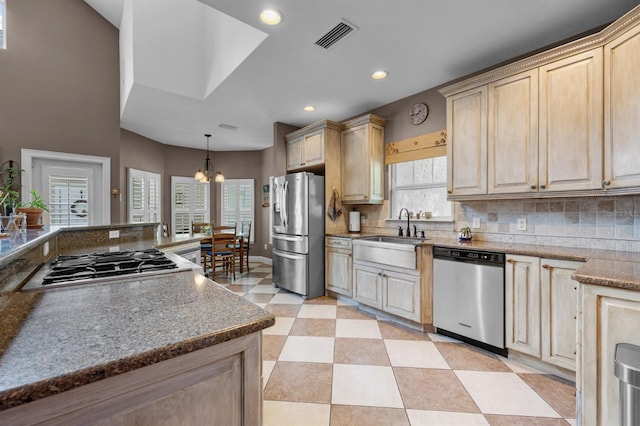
338 242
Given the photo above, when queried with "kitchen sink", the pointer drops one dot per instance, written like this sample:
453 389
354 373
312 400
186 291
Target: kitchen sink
386 250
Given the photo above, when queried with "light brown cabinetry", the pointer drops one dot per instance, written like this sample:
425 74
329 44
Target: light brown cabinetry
558 312
621 110
467 145
362 160
609 316
339 265
522 304
305 151
368 285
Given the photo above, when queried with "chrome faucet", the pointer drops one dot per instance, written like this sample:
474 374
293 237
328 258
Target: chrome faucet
400 217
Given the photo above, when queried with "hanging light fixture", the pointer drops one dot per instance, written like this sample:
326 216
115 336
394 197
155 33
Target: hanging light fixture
203 175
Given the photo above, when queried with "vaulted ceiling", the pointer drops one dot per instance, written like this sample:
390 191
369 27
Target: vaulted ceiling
190 66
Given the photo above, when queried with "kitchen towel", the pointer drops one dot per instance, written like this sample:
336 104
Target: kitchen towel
335 209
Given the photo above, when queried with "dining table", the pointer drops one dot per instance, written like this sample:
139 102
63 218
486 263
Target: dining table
206 239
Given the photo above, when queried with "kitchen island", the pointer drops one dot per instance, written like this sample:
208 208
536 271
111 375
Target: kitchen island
176 347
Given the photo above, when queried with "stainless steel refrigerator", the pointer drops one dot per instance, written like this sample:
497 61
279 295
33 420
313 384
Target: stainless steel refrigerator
298 233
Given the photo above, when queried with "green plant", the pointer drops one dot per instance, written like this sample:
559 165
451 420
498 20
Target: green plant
10 185
37 202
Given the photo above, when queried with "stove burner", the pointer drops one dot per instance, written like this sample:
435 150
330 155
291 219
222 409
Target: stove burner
98 265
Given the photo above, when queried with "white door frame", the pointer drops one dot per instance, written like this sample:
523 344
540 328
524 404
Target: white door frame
29 155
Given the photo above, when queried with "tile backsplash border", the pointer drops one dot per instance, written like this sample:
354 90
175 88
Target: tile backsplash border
607 223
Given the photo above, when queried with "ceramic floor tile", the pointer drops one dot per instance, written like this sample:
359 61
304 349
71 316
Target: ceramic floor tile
307 349
239 288
519 367
287 299
523 421
352 312
283 310
360 351
436 390
418 354
269 289
440 338
317 311
239 293
398 332
300 382
267 369
265 269
572 422
558 393
347 302
279 413
272 346
358 328
322 300
248 280
504 393
365 385
466 357
445 418
281 327
347 415
313 327
266 280
258 297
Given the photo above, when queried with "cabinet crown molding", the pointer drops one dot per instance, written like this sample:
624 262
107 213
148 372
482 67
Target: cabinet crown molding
367 118
322 124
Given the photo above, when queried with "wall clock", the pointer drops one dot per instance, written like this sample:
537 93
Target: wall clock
418 113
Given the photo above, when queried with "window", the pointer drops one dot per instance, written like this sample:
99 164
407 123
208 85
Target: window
236 199
69 201
421 186
189 203
3 25
144 196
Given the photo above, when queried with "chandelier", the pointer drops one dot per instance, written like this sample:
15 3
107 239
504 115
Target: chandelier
203 175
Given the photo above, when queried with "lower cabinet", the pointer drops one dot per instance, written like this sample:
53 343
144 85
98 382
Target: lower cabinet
338 265
391 291
541 303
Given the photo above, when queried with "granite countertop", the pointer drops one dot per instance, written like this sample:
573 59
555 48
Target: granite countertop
176 240
53 341
602 267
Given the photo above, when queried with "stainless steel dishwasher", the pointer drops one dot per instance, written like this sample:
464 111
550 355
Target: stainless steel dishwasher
468 296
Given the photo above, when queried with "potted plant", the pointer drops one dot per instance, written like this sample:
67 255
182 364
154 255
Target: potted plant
33 210
9 186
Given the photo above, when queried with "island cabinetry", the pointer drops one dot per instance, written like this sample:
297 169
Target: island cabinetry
621 110
522 304
339 265
467 142
609 316
362 160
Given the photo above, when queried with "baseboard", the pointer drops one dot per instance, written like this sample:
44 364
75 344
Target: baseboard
261 259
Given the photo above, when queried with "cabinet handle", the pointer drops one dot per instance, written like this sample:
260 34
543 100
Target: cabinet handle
449 191
606 182
302 164
509 260
575 352
575 288
366 196
533 187
543 187
545 266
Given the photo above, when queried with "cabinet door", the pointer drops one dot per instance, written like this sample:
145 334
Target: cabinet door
338 271
368 285
609 316
313 152
513 134
354 158
621 111
295 153
467 144
522 304
558 310
570 126
401 294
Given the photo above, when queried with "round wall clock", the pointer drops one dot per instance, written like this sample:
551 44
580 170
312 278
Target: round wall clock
418 113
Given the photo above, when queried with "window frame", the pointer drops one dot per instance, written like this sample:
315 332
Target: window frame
149 179
3 24
237 183
206 212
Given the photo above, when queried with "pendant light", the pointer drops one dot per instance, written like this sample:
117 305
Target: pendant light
203 175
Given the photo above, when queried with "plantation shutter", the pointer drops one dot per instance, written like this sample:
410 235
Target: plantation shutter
190 203
69 201
144 196
237 202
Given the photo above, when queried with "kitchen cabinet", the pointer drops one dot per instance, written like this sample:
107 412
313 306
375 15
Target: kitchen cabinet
570 123
621 110
368 285
339 265
467 144
609 316
522 304
558 312
362 160
306 150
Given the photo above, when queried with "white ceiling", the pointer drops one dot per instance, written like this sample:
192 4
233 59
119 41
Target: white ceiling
188 66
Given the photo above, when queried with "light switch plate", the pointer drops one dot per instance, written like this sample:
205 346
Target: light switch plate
522 224
114 234
476 223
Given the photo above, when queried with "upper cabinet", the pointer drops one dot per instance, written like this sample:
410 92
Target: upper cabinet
563 122
362 160
305 150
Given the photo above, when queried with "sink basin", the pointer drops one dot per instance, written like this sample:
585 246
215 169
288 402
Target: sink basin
386 250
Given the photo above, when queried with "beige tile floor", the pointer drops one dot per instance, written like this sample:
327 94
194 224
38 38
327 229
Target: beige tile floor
327 363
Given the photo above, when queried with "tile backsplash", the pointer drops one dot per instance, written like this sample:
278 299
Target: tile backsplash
609 223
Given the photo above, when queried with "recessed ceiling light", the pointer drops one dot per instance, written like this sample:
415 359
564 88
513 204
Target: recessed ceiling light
270 17
309 108
379 75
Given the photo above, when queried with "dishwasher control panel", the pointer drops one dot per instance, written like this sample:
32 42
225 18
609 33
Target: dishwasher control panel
468 255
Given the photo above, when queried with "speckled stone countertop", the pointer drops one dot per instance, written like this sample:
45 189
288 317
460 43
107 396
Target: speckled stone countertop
602 267
61 339
176 240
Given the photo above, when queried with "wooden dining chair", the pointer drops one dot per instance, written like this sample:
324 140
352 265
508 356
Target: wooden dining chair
244 244
223 250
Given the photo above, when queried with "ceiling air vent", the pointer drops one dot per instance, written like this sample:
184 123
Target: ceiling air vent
335 34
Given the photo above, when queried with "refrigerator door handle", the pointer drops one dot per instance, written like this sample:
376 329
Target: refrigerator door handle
284 208
288 238
290 256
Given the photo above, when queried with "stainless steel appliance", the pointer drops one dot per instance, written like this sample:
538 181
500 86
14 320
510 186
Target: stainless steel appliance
298 233
468 296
